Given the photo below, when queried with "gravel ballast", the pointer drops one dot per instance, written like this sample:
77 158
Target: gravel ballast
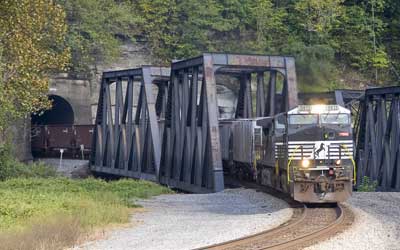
376 226
187 221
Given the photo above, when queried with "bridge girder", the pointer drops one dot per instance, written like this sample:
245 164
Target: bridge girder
378 137
126 142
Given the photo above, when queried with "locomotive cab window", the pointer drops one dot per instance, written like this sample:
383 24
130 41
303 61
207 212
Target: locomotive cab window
342 119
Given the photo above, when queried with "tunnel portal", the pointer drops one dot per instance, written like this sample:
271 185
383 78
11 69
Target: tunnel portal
60 113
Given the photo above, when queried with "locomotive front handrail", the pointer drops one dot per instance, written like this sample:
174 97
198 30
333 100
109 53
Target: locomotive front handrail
352 161
290 161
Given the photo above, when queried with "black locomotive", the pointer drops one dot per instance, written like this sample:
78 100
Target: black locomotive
307 152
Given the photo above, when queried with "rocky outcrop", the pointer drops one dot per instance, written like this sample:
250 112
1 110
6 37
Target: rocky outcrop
132 56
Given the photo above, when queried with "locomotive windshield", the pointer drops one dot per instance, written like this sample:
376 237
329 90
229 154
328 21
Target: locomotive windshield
306 115
335 119
303 119
308 119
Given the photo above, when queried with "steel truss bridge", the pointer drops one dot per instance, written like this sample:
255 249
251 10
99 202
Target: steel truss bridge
169 132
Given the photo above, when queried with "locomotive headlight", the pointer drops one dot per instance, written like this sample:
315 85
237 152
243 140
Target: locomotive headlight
318 109
305 163
338 162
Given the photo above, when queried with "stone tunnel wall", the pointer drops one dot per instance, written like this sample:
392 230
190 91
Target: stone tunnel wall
77 93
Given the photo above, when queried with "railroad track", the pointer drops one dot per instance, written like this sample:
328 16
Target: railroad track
308 225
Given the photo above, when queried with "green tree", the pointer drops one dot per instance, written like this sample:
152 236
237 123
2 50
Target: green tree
199 21
358 39
268 22
317 18
327 36
159 27
178 29
391 38
96 29
32 35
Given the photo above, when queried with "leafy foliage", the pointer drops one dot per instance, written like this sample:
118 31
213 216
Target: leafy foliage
362 35
31 46
316 19
338 34
316 64
94 202
159 26
11 168
179 29
95 30
367 185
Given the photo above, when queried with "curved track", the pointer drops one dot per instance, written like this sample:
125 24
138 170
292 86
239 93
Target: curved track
308 225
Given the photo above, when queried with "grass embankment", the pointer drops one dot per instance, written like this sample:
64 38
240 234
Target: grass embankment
56 212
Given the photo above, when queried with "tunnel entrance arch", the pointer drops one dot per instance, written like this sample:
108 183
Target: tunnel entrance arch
60 113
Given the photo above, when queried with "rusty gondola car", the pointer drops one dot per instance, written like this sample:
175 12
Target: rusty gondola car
74 140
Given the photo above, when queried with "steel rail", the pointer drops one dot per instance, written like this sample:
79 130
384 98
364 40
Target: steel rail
257 240
327 230
285 235
292 223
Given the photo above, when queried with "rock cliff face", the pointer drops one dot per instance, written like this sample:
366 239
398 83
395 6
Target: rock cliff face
132 56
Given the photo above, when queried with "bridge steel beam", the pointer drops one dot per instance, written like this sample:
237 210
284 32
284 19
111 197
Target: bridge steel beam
257 65
191 150
378 149
126 142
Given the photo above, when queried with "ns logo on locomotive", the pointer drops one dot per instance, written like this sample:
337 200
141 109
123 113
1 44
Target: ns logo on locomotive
307 152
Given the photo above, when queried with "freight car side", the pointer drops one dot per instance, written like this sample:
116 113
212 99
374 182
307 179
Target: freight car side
74 141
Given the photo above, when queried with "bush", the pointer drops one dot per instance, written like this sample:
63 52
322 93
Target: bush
12 168
95 202
367 185
315 65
